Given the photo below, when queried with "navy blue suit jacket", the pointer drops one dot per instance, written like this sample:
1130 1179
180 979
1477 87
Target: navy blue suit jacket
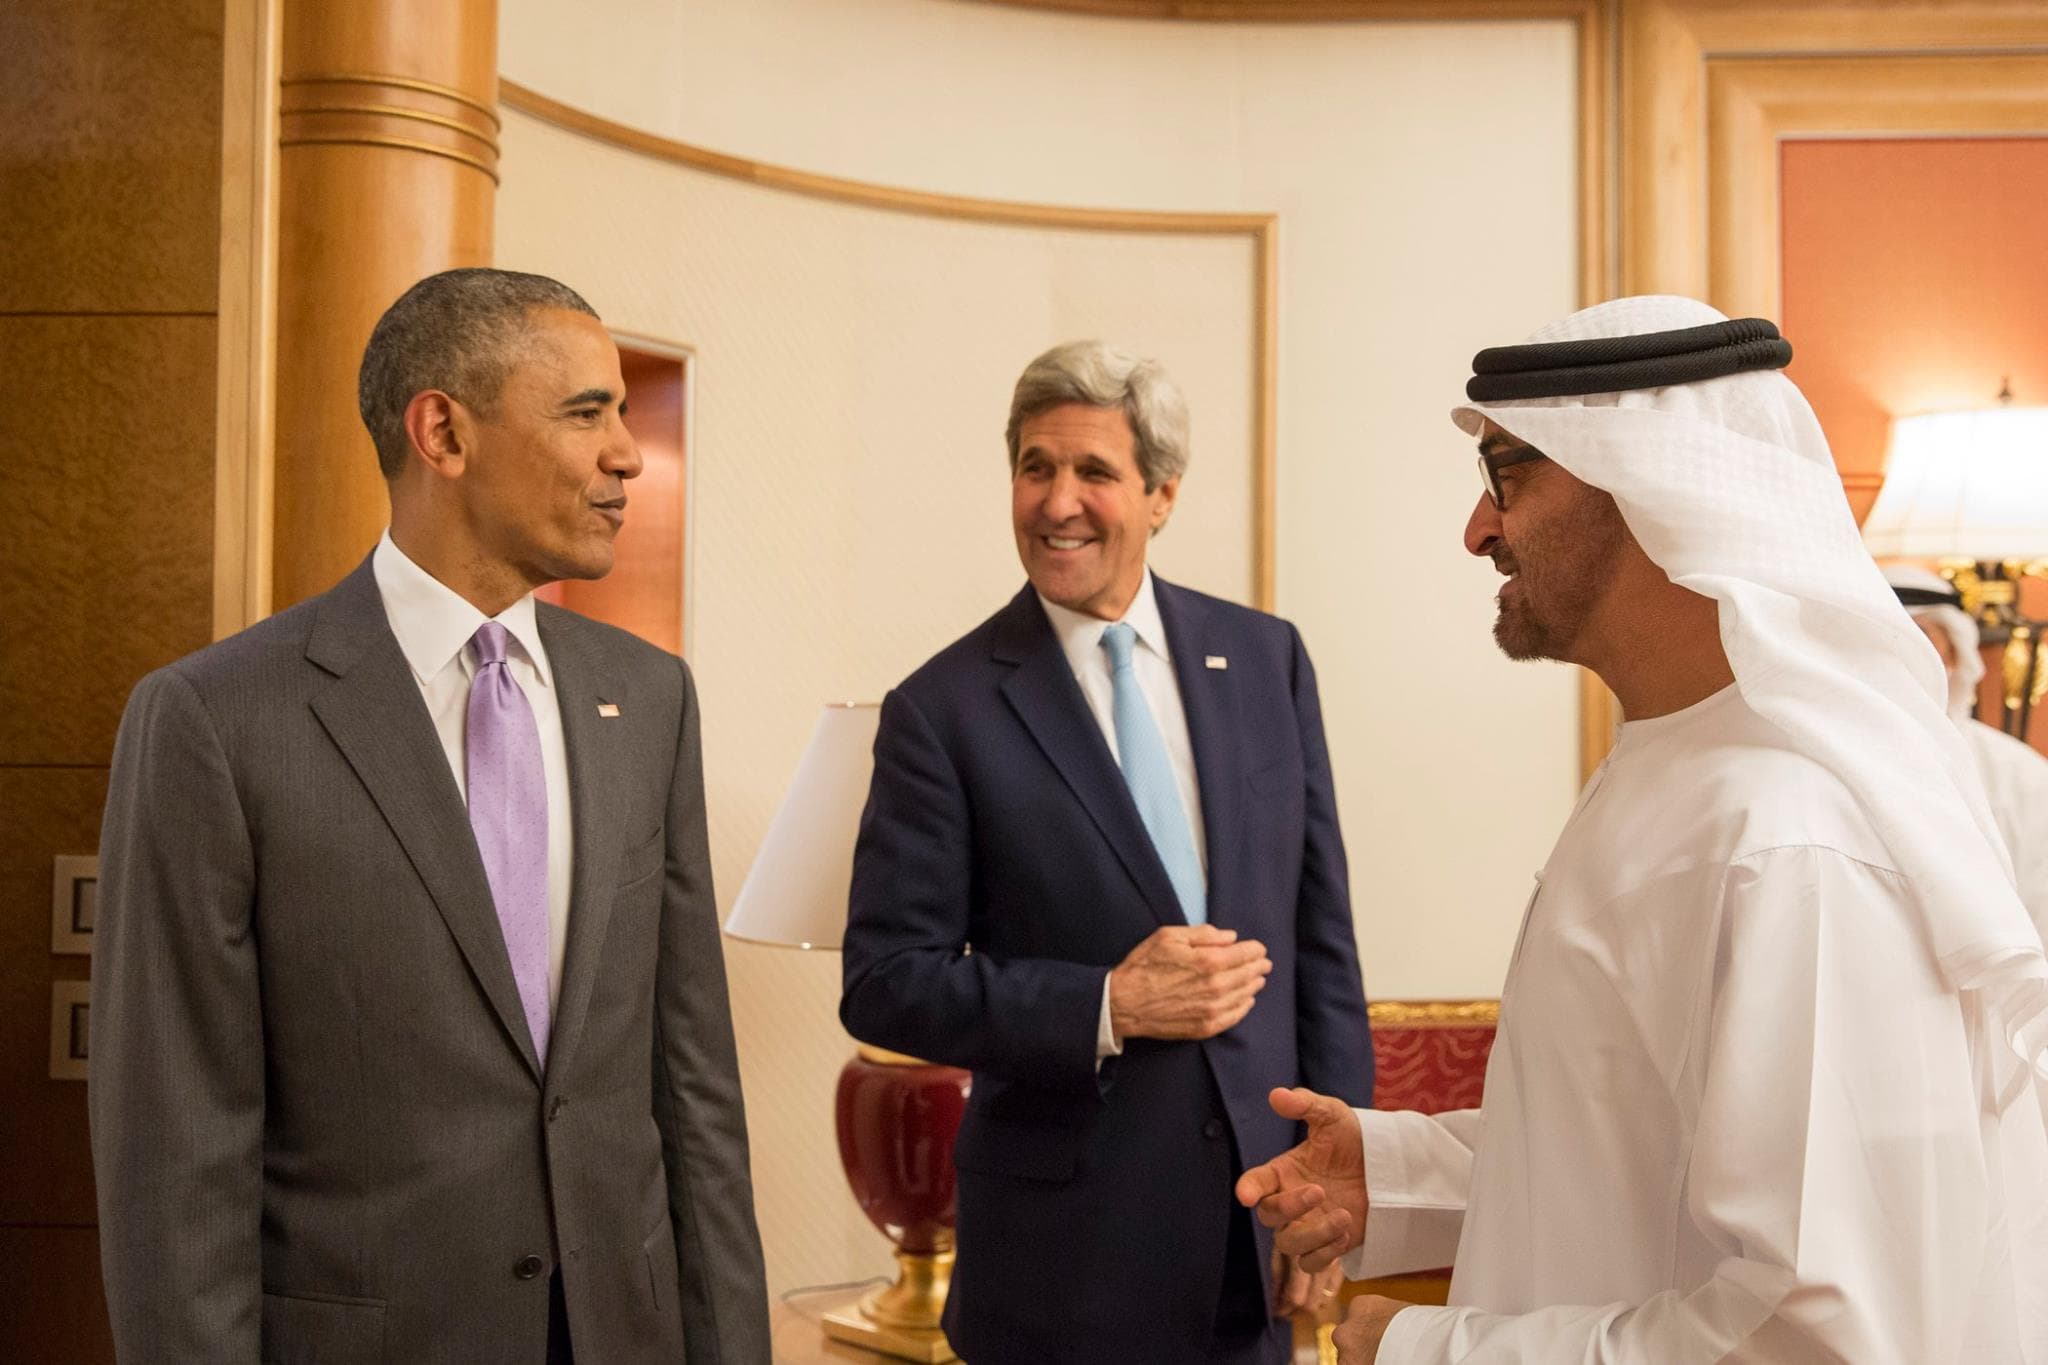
1002 869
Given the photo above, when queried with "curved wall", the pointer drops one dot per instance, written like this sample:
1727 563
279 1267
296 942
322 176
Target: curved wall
1424 179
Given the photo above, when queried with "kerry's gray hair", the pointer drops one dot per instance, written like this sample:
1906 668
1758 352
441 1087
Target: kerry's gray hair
461 332
1101 376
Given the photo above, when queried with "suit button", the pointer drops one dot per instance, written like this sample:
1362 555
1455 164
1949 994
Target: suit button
1213 1129
555 1109
526 1267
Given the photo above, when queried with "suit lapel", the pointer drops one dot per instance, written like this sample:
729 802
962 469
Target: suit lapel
1042 691
1209 697
597 748
375 715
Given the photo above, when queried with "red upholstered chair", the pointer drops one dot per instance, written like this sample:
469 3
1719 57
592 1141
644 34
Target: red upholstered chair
1429 1055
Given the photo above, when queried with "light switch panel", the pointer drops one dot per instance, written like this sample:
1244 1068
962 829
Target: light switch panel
74 902
70 1029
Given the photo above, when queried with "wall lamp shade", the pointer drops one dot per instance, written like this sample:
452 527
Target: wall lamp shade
1964 485
795 893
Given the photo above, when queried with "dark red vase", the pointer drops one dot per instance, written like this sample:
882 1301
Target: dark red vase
897 1118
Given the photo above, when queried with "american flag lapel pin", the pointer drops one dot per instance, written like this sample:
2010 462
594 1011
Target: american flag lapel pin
608 709
1215 661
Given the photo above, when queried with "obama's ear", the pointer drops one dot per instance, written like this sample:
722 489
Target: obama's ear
440 432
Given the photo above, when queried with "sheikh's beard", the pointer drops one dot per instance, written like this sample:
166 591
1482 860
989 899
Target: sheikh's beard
1521 637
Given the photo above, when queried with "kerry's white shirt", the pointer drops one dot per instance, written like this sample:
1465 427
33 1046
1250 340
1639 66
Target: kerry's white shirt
1731 1112
433 624
1080 639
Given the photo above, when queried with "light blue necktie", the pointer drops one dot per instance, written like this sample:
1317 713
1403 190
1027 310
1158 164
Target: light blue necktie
1149 774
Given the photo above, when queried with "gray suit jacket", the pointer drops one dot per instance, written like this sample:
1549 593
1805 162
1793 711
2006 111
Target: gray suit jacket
319 1128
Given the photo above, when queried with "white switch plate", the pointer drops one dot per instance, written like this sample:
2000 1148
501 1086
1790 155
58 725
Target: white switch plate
70 1029
74 903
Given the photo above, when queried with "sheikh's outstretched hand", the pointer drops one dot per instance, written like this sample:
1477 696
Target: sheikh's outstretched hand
1313 1195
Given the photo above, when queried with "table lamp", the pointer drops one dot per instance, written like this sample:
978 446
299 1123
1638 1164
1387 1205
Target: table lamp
1969 489
896 1115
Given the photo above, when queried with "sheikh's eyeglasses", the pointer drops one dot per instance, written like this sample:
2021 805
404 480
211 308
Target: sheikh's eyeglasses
1491 465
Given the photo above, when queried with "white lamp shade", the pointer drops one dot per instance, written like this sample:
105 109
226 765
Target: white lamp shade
1964 485
795 893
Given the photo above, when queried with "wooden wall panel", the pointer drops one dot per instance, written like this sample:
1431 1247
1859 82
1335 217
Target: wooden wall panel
53 1314
110 174
47 811
108 517
112 178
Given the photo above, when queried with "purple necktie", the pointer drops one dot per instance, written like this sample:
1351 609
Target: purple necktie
508 809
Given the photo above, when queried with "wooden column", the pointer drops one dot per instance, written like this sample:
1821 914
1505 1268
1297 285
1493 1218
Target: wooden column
387 173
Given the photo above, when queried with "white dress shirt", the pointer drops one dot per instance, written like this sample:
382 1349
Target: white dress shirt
1081 638
434 625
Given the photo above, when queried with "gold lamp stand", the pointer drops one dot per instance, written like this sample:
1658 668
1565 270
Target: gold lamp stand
901 1319
1990 592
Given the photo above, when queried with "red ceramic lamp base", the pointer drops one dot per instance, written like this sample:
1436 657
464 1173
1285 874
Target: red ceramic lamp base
896 1119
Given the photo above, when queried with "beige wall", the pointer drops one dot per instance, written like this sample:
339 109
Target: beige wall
1423 175
850 496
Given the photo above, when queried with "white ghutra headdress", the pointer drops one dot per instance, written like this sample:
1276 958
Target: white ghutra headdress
1727 484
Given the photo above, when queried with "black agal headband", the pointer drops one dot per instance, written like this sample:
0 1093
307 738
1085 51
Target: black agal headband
1928 597
1651 360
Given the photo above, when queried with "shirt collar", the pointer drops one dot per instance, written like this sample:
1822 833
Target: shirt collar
433 622
1081 635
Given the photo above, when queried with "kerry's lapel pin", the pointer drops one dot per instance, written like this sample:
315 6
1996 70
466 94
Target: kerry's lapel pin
1216 661
608 709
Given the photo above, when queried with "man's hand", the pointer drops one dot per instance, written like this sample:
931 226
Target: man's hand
1297 1291
1314 1195
1365 1323
1186 981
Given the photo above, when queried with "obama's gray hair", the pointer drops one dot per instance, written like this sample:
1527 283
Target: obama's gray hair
461 332
1101 376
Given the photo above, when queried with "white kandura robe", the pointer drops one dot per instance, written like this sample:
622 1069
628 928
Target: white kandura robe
2016 784
1731 1112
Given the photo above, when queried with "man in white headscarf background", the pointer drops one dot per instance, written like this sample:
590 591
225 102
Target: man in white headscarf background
2014 773
1767 1085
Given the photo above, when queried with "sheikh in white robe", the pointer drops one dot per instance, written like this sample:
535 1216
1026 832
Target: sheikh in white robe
1731 1112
